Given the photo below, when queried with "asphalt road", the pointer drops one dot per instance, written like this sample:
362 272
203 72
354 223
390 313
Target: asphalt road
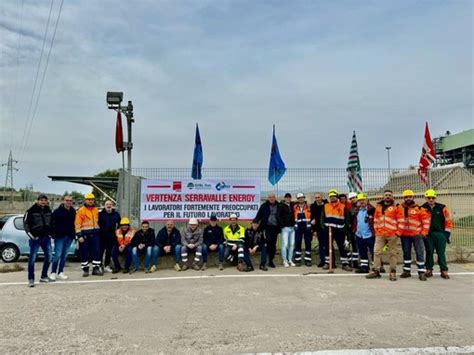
195 312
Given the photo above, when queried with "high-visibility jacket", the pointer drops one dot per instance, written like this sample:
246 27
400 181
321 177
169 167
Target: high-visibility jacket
234 237
412 221
335 216
87 220
385 220
445 216
125 239
302 215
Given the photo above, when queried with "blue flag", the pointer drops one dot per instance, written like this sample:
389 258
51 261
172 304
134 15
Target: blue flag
197 157
277 168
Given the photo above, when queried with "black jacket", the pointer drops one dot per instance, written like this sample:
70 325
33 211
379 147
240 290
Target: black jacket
164 239
286 215
264 213
316 211
108 223
253 238
147 238
63 222
37 221
213 235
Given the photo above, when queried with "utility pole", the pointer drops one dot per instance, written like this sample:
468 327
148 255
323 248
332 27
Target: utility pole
9 176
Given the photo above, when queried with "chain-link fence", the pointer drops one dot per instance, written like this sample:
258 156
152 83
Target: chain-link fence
454 185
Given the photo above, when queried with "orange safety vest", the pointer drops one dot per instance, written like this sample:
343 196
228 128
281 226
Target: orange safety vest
385 220
334 215
125 239
306 211
87 220
413 221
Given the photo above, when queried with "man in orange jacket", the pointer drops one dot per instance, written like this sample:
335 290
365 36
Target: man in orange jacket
413 224
87 234
385 227
123 246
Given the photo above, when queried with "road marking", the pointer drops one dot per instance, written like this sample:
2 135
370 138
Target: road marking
206 277
382 351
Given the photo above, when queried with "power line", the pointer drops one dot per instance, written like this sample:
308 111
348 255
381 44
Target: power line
36 78
42 79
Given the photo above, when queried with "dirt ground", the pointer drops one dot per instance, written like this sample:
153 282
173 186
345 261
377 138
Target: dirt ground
230 312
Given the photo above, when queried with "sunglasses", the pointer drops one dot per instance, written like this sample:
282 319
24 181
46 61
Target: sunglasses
430 198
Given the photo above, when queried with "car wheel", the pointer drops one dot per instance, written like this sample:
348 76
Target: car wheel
10 253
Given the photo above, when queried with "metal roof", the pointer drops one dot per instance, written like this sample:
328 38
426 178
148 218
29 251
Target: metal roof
101 182
455 141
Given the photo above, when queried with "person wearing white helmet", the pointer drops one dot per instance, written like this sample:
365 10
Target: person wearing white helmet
234 236
191 241
302 214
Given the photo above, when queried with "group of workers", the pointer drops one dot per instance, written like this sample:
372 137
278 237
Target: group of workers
361 231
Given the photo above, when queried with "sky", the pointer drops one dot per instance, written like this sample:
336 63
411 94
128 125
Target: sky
316 69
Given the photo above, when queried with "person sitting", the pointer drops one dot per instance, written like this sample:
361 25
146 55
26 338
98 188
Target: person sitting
167 242
124 236
234 235
213 242
191 241
255 241
142 244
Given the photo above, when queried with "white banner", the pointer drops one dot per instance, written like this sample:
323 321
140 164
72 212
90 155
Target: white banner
182 199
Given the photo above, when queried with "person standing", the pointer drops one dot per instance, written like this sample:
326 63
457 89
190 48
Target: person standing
123 246
363 229
87 234
267 219
213 242
191 241
354 254
336 216
439 234
37 224
287 220
302 216
385 228
167 242
234 235
316 212
413 227
142 244
64 232
109 220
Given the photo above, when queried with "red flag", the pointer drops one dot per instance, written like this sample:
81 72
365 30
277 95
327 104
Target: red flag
428 156
119 134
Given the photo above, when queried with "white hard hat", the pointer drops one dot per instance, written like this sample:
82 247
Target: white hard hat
352 195
193 221
233 215
300 194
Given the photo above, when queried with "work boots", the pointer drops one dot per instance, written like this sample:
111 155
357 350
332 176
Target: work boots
422 276
241 266
97 271
374 274
405 274
444 275
221 266
196 267
204 266
429 273
85 272
185 267
393 275
346 267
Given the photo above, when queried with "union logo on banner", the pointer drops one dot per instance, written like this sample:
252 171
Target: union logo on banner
177 186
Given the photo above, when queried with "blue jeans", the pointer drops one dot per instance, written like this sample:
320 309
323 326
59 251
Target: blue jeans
263 255
147 251
220 251
128 257
287 243
61 249
159 251
45 244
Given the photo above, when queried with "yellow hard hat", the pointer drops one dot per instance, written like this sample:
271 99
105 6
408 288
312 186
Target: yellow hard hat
430 193
407 193
333 193
361 197
124 221
89 196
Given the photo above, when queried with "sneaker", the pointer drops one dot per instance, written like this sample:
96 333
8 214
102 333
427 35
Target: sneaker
346 267
393 275
263 268
422 276
271 264
107 269
133 271
45 280
146 271
429 273
375 274
52 276
31 283
285 264
221 266
444 275
196 267
292 263
204 267
177 267
185 267
152 269
97 271
405 274
61 276
249 269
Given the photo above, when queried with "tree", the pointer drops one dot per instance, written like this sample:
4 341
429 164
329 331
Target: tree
111 192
